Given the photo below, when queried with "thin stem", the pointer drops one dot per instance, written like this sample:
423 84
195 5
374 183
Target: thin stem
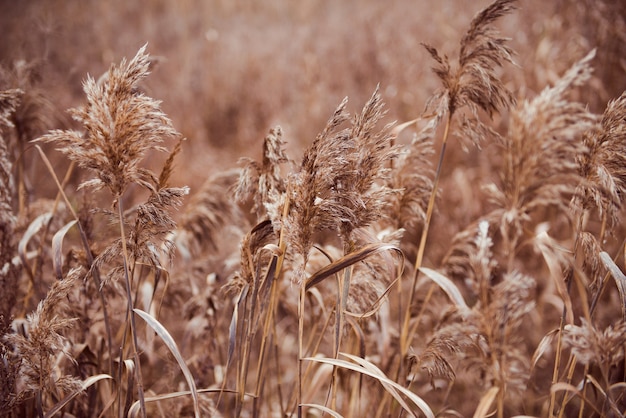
300 347
405 336
570 374
131 313
95 273
581 409
271 310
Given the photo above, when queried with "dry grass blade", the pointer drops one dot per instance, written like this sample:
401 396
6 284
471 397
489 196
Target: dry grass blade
447 286
475 81
573 390
397 130
385 381
130 368
323 409
84 385
371 367
57 248
34 227
267 304
619 277
232 339
546 343
556 259
134 409
171 344
347 261
482 410
601 390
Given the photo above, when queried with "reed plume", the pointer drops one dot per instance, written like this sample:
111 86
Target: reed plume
602 165
485 337
541 151
263 182
42 342
475 82
9 101
9 272
601 350
336 188
412 176
121 126
604 348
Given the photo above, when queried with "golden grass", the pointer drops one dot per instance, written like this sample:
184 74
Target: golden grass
370 277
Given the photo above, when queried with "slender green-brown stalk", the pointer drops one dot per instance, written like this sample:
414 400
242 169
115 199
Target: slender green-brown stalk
131 313
407 333
95 272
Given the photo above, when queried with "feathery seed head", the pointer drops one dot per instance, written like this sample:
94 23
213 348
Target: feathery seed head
121 126
604 164
594 346
263 181
337 187
475 81
541 152
9 100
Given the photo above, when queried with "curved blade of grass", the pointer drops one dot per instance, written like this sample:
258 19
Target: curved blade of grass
568 387
134 409
618 385
129 367
34 227
401 127
57 248
549 250
232 334
323 409
348 260
419 402
84 385
544 345
171 344
607 398
482 411
618 276
268 299
374 369
447 286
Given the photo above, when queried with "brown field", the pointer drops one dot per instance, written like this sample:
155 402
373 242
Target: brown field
312 208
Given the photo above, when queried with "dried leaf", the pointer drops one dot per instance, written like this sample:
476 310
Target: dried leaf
171 344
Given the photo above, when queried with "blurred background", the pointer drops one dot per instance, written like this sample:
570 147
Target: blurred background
229 70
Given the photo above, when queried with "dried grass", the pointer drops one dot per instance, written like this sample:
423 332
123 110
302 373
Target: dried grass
345 283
